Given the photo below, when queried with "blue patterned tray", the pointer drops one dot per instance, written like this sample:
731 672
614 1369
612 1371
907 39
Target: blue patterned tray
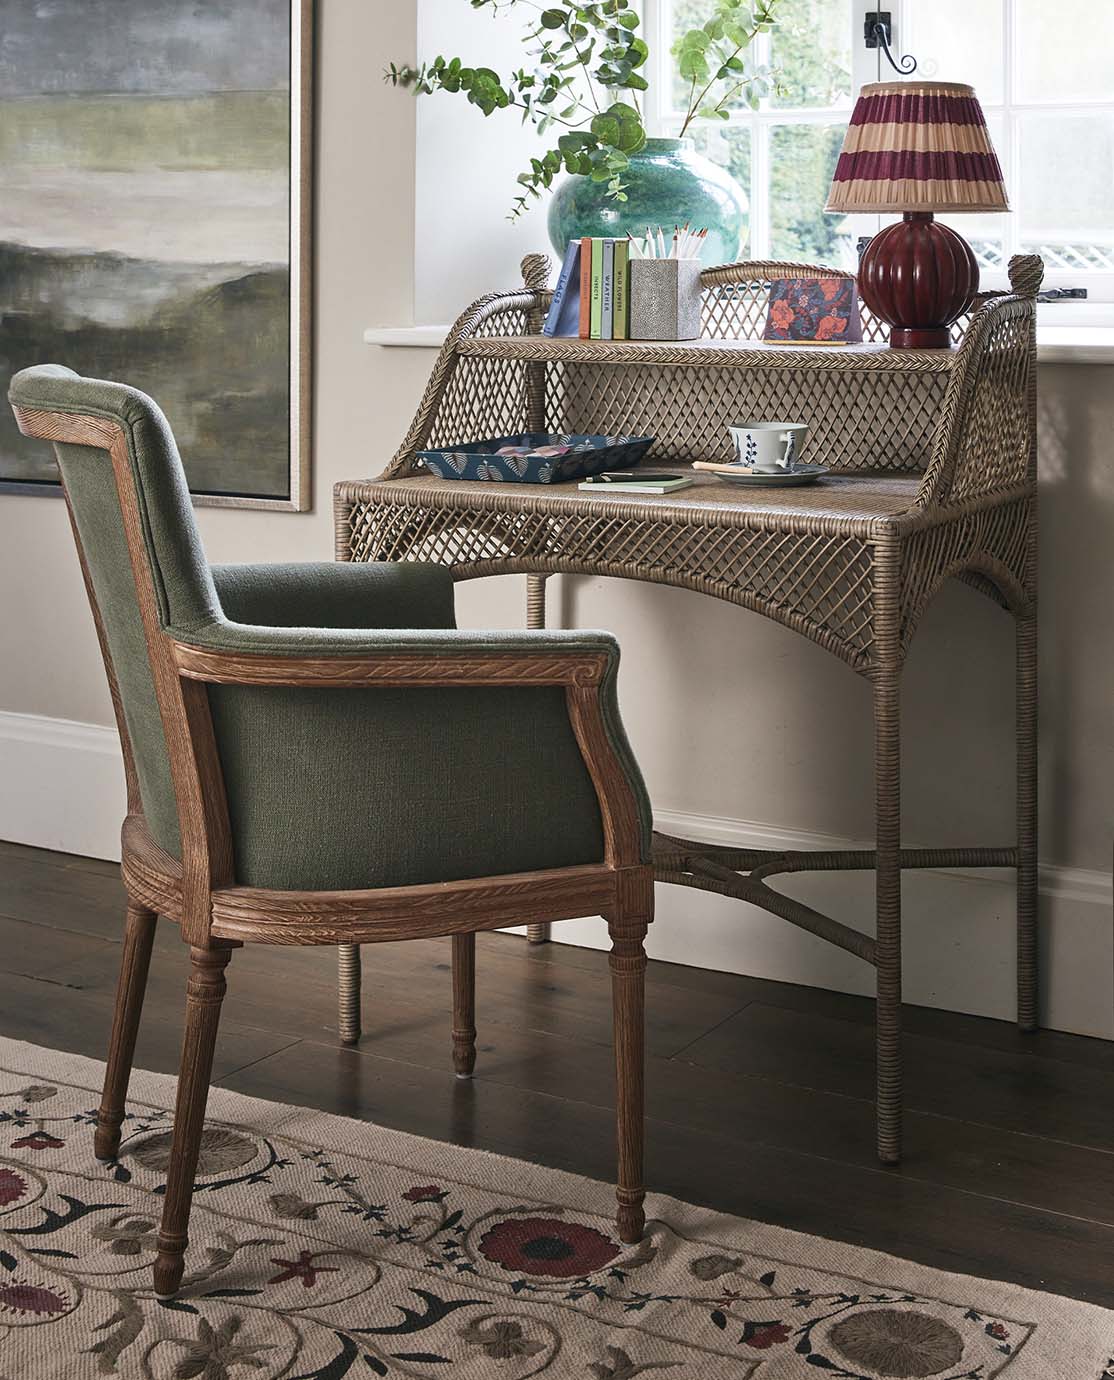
588 455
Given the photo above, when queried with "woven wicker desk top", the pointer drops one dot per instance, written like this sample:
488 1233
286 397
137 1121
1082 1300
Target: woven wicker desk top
707 352
850 500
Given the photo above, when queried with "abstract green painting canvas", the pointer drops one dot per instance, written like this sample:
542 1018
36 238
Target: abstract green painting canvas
153 219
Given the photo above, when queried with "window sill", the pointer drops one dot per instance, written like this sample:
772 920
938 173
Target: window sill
1055 344
1075 344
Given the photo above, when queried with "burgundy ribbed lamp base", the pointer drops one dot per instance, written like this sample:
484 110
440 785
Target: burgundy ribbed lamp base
919 276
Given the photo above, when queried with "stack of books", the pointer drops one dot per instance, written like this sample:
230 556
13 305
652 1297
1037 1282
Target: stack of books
592 297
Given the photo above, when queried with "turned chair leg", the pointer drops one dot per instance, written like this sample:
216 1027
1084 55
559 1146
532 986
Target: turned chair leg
204 993
139 935
1027 970
627 961
464 1004
348 993
887 1017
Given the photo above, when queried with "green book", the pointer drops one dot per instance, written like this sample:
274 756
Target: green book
597 287
621 291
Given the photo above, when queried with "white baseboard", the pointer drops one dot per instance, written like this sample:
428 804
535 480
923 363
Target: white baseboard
63 785
63 788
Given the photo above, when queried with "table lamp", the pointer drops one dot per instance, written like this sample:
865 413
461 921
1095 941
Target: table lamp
918 147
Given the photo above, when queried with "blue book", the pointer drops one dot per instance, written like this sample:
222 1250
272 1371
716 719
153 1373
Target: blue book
563 317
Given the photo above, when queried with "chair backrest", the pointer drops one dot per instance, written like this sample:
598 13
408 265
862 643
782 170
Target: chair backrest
168 547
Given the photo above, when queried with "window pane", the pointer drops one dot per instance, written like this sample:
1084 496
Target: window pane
687 14
729 146
956 40
810 51
1064 52
1066 194
802 161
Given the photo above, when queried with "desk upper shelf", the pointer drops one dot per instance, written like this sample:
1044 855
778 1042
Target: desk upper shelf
709 353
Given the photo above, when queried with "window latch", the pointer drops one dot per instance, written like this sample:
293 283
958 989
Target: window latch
878 31
1060 294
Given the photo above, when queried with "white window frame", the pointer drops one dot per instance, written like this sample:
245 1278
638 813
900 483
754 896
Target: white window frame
662 120
870 65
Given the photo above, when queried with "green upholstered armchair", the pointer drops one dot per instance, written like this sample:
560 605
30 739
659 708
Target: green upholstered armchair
316 755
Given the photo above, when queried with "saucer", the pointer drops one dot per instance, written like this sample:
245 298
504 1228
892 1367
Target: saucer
795 474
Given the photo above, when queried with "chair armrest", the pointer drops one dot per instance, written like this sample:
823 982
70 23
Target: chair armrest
337 594
251 659
232 650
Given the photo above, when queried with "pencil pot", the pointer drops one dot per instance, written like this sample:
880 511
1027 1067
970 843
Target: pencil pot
665 299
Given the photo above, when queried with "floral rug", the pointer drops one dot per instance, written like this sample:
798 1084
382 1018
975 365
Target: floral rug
328 1249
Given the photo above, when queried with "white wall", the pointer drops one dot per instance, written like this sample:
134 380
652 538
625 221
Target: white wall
465 244
733 718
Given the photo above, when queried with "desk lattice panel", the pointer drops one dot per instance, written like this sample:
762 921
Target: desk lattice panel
988 547
484 398
858 419
737 310
819 585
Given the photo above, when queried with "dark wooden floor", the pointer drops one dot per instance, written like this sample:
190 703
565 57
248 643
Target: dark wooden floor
759 1093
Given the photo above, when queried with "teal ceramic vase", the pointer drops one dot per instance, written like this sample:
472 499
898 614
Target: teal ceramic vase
667 184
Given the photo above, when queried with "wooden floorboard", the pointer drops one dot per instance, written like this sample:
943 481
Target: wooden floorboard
758 1093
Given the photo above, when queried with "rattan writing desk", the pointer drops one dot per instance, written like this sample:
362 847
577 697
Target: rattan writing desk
933 460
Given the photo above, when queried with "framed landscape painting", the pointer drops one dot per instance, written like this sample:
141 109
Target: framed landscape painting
155 201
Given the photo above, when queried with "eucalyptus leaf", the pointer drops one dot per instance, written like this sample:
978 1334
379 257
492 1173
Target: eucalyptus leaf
580 54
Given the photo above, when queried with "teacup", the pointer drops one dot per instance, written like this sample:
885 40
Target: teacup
768 446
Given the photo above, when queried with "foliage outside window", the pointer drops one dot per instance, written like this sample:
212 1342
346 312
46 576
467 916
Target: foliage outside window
1047 87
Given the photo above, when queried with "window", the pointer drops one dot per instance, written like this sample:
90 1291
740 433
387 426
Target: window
1043 76
782 154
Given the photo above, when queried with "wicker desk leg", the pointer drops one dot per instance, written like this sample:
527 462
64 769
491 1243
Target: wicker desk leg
1027 986
348 955
887 785
535 618
348 993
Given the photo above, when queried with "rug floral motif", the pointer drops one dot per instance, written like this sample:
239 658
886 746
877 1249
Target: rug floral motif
324 1249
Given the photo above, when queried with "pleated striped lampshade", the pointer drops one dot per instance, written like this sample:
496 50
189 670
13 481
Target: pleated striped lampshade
917 146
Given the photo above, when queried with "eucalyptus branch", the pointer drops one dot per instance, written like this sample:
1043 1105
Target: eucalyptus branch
585 79
714 52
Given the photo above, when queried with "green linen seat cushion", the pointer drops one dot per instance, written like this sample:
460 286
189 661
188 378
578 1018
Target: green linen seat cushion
329 788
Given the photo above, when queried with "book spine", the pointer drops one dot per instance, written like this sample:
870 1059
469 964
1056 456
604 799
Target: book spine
585 288
607 296
553 316
621 295
597 287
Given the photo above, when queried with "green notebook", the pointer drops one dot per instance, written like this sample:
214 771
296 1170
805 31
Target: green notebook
631 482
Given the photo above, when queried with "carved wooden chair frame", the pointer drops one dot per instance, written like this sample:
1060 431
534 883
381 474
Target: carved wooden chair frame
200 893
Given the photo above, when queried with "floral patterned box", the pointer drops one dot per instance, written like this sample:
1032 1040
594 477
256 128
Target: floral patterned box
813 311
